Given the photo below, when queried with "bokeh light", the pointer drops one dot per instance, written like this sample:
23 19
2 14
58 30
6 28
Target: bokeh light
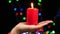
16 14
25 33
49 27
53 31
58 15
39 33
17 0
39 4
15 9
39 0
21 9
21 13
41 29
24 18
8 32
10 1
53 24
47 32
45 29
39 14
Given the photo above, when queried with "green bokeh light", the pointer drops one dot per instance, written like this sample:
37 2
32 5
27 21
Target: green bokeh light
51 33
39 4
53 24
24 18
10 1
17 0
39 0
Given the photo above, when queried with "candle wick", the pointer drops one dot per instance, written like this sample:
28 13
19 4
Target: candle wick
32 5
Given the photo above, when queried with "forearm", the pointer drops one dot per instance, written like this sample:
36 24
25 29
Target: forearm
15 31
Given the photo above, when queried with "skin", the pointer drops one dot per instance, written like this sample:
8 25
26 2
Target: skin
22 27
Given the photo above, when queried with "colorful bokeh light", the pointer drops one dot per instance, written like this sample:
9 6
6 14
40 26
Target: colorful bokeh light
45 29
17 0
39 0
15 9
53 24
41 29
47 32
53 31
49 27
10 1
25 33
21 9
58 15
21 13
24 18
39 14
8 32
39 4
16 13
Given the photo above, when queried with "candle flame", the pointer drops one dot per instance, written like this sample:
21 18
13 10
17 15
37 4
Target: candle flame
32 5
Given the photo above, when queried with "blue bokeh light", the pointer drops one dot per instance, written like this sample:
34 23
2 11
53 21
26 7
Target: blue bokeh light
15 9
58 15
25 33
21 9
39 14
45 29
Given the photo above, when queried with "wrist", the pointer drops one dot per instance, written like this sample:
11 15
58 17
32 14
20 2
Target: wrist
15 31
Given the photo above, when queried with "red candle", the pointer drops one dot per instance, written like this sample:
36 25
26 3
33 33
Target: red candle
32 16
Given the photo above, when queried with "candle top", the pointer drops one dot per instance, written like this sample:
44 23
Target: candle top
32 5
32 9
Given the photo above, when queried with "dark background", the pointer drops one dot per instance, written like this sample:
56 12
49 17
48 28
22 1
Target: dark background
49 10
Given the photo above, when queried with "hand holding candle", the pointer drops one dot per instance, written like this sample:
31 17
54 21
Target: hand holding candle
22 27
29 25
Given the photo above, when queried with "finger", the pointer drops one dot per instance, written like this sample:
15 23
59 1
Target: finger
43 23
48 21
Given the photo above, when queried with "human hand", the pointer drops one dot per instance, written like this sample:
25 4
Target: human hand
22 27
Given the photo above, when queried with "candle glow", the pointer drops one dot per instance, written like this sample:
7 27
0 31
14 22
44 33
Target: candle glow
32 5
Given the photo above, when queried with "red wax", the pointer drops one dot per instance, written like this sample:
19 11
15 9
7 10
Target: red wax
32 16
